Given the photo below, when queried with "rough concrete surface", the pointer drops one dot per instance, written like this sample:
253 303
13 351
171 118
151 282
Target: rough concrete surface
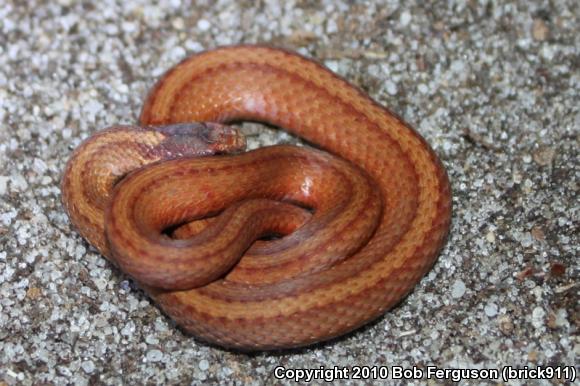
494 86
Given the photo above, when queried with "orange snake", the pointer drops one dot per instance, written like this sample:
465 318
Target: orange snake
357 227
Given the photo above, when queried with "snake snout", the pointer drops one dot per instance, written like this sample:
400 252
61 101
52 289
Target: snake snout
223 138
201 138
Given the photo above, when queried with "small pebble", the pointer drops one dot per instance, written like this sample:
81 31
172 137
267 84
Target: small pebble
203 25
538 317
491 310
391 87
405 18
203 365
88 367
540 30
458 289
505 325
154 355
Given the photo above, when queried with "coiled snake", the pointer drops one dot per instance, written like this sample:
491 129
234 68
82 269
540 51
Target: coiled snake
177 205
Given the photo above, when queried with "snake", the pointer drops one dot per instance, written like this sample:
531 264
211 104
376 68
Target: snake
279 247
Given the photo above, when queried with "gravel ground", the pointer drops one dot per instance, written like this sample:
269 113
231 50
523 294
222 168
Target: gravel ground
492 85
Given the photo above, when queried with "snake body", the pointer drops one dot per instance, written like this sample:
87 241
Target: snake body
359 223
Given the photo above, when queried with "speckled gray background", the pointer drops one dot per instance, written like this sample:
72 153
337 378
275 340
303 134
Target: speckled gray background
492 85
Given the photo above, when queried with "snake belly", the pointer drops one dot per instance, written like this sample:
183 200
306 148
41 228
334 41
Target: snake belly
393 194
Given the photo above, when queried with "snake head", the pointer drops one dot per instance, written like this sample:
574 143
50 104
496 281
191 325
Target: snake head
196 139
